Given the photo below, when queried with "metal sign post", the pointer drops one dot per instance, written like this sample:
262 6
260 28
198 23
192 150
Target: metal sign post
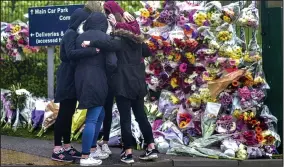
50 72
46 28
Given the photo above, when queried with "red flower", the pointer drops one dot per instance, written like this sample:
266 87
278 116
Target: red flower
21 41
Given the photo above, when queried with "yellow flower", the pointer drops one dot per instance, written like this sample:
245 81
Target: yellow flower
26 50
190 57
174 83
174 99
258 80
237 113
145 13
226 19
15 29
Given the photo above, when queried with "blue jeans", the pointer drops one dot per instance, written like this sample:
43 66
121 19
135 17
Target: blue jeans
93 123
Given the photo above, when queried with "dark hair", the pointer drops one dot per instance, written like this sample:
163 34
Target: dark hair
119 18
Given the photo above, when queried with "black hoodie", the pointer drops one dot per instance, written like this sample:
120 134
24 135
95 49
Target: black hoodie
65 86
90 76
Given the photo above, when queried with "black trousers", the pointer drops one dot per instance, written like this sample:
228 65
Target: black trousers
124 106
64 121
108 115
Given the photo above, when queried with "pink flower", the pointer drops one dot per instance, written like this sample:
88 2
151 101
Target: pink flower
8 46
183 67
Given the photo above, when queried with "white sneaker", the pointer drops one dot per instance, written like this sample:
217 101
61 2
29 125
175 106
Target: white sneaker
90 162
106 149
99 154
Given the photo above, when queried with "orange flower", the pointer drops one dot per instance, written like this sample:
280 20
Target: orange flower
258 130
259 138
235 83
253 122
177 57
182 124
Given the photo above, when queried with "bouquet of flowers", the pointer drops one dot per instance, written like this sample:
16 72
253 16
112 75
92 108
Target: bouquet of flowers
15 40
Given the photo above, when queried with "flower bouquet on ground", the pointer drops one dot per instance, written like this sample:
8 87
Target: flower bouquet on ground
208 119
50 116
78 120
5 106
38 114
17 98
168 105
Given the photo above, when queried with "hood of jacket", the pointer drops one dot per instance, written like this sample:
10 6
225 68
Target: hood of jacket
77 17
112 7
96 21
136 38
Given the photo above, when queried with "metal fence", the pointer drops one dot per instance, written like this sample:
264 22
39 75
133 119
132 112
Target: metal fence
32 72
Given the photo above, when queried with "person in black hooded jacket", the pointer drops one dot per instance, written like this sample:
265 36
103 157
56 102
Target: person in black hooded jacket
91 84
65 89
129 86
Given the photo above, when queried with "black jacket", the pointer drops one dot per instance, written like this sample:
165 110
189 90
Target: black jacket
90 76
65 86
129 78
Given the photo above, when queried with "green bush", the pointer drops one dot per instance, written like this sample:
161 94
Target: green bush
31 73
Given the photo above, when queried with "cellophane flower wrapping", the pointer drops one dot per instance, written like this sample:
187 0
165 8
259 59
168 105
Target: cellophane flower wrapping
78 120
26 113
209 118
50 116
38 114
249 16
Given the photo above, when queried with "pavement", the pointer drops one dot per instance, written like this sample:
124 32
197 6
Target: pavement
26 151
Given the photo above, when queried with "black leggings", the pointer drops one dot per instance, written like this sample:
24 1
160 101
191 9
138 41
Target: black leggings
64 121
124 107
108 115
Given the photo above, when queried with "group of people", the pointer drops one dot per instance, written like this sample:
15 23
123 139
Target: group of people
102 59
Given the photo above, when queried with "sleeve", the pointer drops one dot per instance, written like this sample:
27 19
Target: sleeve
146 51
110 44
111 61
81 53
130 26
70 46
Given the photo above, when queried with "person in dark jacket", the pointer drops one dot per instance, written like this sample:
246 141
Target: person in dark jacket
65 89
129 86
111 7
91 84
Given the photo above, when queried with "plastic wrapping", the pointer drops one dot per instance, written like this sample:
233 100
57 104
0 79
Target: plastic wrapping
183 118
38 114
232 11
170 132
208 119
78 120
161 144
17 122
249 16
168 104
214 13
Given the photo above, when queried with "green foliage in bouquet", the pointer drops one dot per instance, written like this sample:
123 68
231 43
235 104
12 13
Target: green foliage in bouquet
18 101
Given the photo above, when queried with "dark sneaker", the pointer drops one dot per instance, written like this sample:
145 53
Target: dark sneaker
73 152
149 155
62 156
127 158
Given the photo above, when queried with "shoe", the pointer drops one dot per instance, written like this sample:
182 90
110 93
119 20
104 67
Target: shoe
73 152
90 162
99 154
127 158
62 156
106 149
149 155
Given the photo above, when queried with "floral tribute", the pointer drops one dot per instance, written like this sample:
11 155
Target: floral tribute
15 40
211 88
